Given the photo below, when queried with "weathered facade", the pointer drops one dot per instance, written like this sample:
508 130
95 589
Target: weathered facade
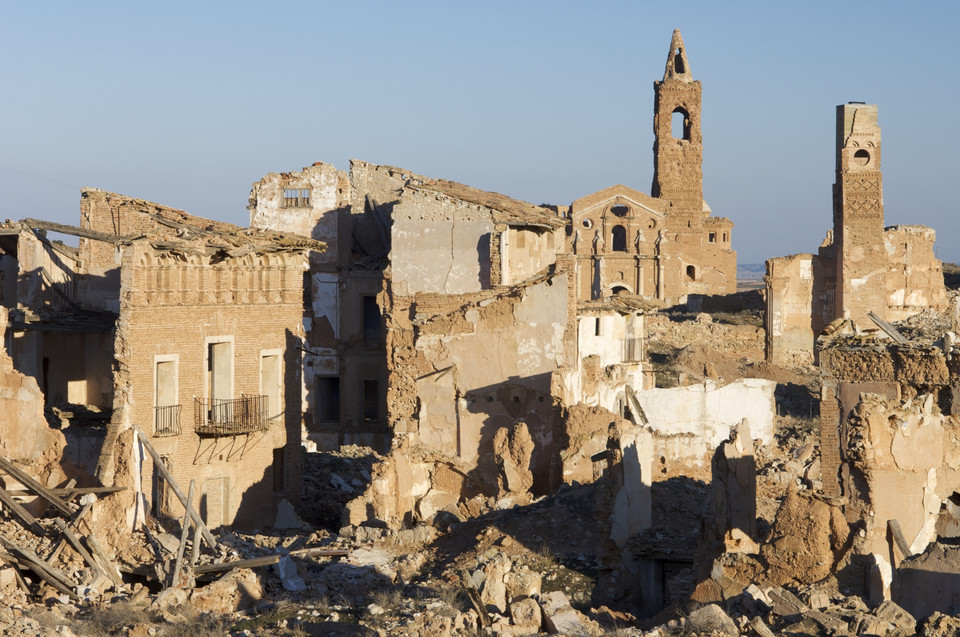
861 266
889 425
665 246
187 331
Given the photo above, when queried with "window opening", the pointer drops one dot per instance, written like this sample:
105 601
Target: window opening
278 470
691 273
680 124
270 385
371 402
328 399
619 239
296 198
371 318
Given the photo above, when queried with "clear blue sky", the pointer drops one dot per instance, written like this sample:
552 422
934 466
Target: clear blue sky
189 103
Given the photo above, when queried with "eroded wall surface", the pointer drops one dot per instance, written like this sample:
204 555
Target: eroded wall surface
690 422
176 307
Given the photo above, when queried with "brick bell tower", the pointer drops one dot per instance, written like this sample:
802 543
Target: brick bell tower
678 143
858 215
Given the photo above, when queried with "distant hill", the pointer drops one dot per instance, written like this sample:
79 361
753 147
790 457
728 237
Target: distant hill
750 276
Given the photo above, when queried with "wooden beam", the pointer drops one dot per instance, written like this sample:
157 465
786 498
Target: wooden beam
76 231
113 573
31 483
68 493
17 509
162 469
63 541
184 533
75 543
267 560
48 573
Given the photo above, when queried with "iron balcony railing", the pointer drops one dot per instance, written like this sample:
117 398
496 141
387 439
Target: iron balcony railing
166 420
233 417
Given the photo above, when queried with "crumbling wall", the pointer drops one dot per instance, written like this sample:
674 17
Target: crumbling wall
915 275
25 436
440 244
611 355
525 251
175 305
315 216
704 415
790 316
482 363
902 464
411 484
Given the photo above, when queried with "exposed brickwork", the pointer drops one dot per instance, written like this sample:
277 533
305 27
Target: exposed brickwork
174 307
830 440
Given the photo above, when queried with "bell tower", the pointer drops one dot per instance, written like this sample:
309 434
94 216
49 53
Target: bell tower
858 214
678 143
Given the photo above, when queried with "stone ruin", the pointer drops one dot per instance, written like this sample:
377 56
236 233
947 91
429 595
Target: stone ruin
403 405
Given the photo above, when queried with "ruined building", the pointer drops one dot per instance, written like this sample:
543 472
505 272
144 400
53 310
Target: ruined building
665 246
861 266
183 330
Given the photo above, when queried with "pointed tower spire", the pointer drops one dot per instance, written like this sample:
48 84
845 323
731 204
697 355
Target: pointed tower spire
678 68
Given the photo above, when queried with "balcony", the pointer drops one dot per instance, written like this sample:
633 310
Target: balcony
234 417
166 420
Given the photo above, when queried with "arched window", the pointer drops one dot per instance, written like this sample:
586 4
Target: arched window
680 123
691 273
619 289
619 239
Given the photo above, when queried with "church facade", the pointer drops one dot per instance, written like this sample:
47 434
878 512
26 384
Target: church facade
665 245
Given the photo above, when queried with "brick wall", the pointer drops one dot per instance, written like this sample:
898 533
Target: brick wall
173 308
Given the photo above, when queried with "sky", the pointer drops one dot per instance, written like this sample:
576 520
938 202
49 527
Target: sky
189 103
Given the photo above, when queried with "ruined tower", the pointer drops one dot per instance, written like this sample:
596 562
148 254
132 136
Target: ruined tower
858 214
678 144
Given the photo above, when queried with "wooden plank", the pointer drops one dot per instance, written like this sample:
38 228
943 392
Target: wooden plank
72 492
72 482
162 469
899 541
75 231
184 534
63 541
48 573
195 548
13 563
32 484
888 329
75 543
474 596
28 520
113 573
267 560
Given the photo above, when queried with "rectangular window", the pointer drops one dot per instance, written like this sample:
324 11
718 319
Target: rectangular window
161 491
270 384
596 327
328 399
371 402
713 237
278 470
371 319
219 404
296 198
166 413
